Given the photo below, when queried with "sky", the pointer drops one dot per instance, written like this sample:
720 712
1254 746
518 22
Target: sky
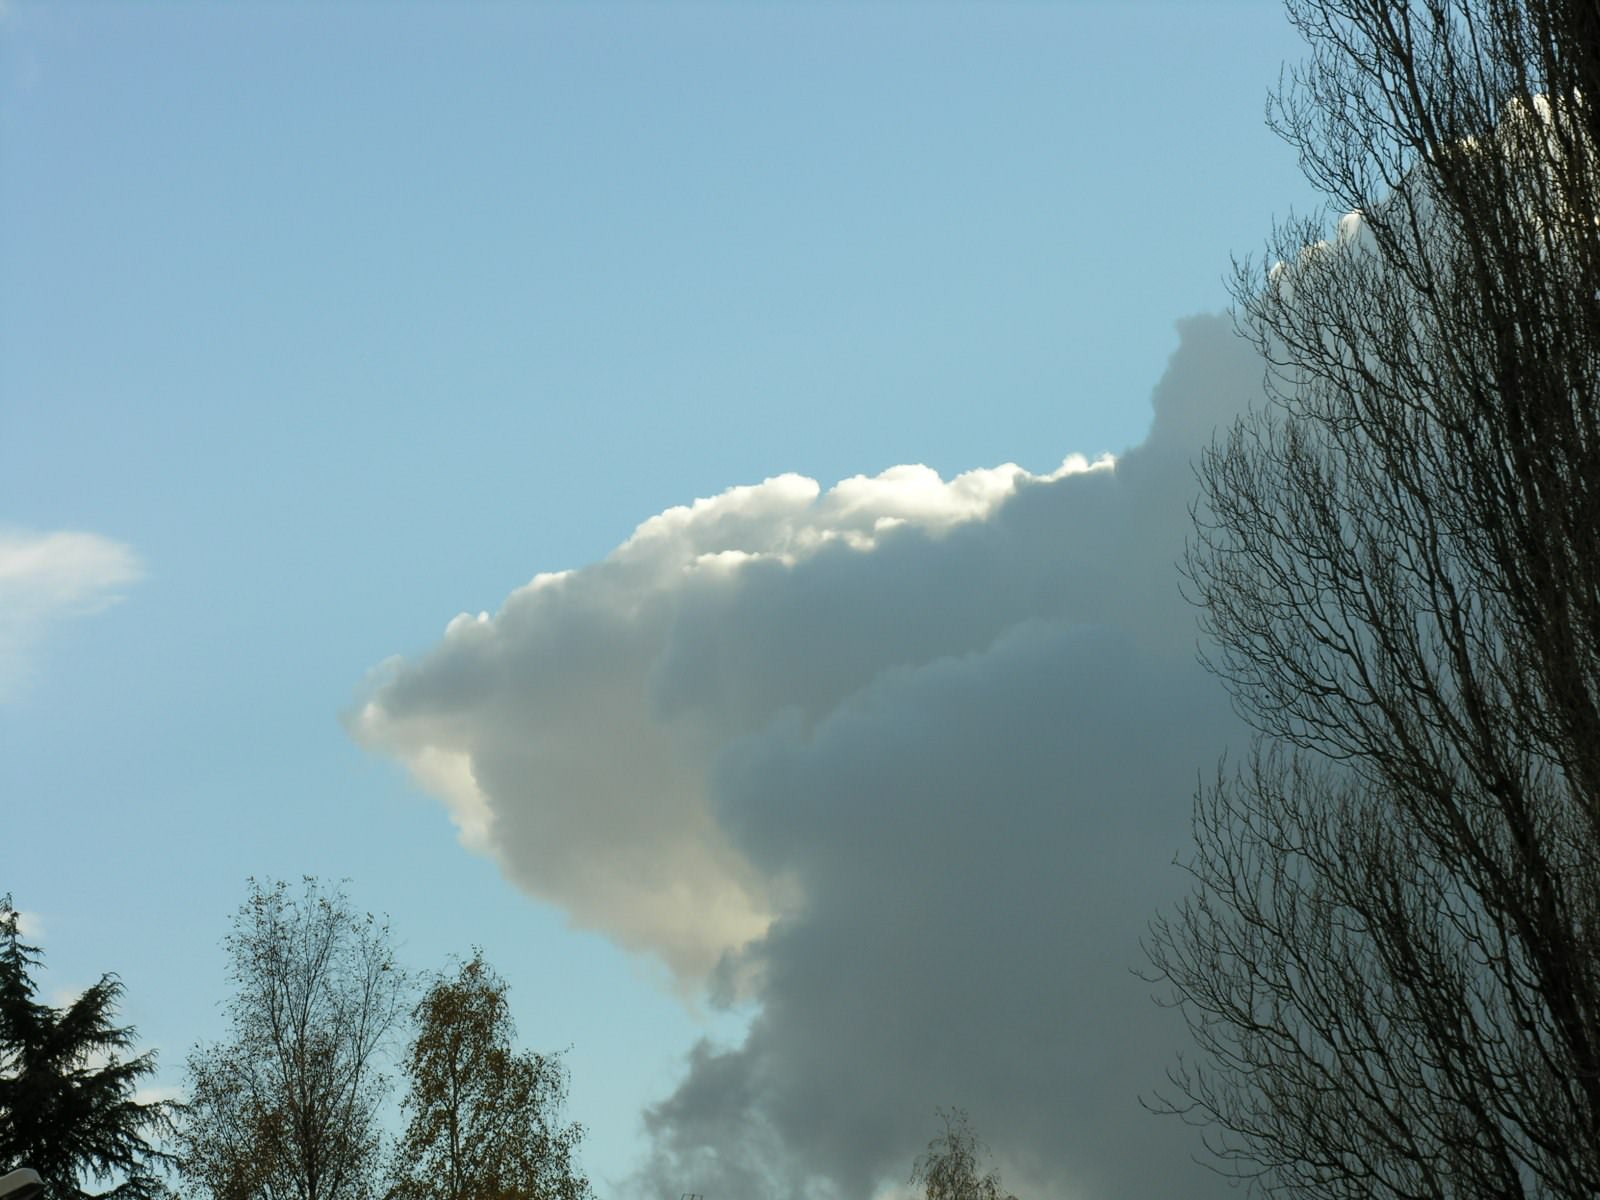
683 496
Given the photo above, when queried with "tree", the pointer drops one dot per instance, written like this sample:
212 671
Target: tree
949 1170
68 1088
287 1109
1391 957
485 1120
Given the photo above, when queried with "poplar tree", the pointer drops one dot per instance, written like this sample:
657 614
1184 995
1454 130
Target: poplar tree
1391 958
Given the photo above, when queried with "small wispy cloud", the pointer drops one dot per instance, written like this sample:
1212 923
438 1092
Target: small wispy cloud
159 1093
47 578
29 925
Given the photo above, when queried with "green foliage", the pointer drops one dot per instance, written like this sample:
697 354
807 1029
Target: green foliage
287 1109
68 1086
950 1168
485 1119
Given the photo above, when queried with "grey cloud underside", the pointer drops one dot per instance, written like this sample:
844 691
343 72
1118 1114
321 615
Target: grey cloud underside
936 773
980 841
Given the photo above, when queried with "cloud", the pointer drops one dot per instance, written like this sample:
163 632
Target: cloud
49 577
903 763
29 925
159 1093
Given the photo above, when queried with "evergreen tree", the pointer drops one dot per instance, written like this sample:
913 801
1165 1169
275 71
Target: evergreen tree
68 1084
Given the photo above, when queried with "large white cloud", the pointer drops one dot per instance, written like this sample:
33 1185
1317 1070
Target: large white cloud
904 762
49 577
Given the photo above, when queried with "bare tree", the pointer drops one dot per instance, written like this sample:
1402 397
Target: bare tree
287 1109
485 1120
1391 957
950 1170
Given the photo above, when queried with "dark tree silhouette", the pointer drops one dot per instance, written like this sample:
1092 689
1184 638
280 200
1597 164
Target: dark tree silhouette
1391 958
68 1085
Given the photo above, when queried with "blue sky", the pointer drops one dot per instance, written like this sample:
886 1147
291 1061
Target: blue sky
334 321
